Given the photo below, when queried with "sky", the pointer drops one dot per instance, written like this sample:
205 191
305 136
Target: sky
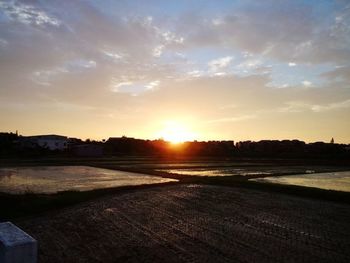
192 69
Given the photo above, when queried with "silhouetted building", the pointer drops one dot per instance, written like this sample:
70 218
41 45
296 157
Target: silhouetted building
50 142
87 150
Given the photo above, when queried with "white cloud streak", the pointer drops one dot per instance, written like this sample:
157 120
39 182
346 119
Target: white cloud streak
27 14
220 63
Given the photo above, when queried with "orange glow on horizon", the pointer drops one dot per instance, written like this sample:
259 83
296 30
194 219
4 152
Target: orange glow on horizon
176 132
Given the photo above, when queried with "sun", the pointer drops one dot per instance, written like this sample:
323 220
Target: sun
176 132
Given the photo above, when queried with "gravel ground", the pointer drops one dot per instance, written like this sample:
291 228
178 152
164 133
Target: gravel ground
195 223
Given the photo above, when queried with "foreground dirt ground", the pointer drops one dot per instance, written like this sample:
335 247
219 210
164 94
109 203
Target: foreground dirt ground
195 223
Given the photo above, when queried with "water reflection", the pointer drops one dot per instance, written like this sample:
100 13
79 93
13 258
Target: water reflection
257 171
339 181
214 172
7 173
52 179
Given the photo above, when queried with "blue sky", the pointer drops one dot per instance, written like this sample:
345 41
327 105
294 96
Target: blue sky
219 69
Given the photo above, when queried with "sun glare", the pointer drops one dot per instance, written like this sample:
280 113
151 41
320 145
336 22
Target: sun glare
175 133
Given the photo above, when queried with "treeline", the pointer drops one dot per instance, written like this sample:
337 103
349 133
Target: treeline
125 145
261 149
10 145
292 149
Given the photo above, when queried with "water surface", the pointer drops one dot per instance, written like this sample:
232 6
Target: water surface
214 172
339 181
52 179
241 171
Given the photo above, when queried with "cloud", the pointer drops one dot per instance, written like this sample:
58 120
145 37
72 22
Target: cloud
195 73
340 73
286 30
109 46
307 83
3 43
332 106
233 119
27 14
134 88
117 87
47 76
44 77
158 50
220 63
171 38
250 64
300 106
80 64
217 21
295 107
152 85
116 57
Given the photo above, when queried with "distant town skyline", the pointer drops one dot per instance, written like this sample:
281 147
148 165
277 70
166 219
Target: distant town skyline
184 70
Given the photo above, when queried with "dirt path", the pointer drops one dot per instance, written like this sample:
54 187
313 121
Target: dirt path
194 223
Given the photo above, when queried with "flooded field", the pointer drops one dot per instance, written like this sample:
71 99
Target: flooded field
214 172
244 171
52 179
339 181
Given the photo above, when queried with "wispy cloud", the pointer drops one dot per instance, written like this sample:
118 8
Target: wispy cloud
219 63
195 73
152 85
27 14
233 119
158 50
331 106
300 106
306 83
